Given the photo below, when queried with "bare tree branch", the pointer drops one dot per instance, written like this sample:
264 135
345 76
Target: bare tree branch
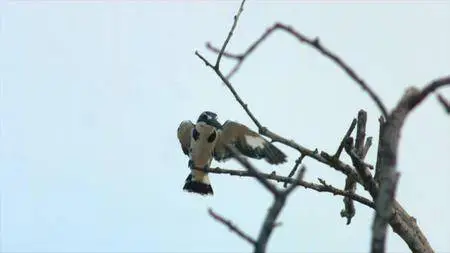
347 134
314 43
230 87
406 226
304 184
272 215
357 154
230 33
252 170
279 199
386 170
366 147
349 210
340 166
412 99
381 121
444 102
367 180
232 227
299 179
323 157
388 149
382 216
361 133
350 183
207 63
239 58
297 163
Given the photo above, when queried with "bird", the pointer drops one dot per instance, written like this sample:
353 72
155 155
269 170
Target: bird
197 141
208 139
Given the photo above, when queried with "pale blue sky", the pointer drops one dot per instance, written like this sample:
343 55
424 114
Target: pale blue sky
92 95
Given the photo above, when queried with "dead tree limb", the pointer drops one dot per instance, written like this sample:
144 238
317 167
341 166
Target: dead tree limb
294 169
280 197
314 43
382 188
307 185
444 102
386 171
232 227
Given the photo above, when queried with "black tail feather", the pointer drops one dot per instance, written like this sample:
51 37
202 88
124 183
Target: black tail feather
197 187
273 154
269 152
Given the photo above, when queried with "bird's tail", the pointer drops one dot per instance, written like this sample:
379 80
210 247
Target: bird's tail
198 182
273 154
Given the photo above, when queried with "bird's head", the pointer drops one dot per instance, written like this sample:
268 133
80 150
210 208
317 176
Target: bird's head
209 118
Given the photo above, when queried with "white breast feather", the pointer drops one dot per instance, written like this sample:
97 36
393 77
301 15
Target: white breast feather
255 142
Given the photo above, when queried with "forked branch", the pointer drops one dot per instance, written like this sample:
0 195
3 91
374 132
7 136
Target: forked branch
232 227
444 102
382 188
287 180
280 197
386 169
314 43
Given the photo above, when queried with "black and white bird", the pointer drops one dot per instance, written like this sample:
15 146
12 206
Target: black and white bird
197 141
207 139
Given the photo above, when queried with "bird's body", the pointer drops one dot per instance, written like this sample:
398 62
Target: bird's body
208 139
202 144
197 141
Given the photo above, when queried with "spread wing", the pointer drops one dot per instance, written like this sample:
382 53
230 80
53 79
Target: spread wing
248 142
184 135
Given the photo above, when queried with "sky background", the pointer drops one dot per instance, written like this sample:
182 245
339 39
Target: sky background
92 94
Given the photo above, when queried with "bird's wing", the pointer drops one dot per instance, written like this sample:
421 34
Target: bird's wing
184 135
248 142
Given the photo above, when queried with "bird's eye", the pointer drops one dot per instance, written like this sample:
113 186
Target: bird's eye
195 134
212 137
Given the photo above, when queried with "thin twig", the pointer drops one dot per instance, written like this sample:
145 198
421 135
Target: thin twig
232 227
252 170
226 54
207 63
360 133
349 210
304 184
297 163
314 43
366 148
350 183
444 102
342 167
299 178
230 34
230 87
414 99
347 134
381 122
367 180
239 58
